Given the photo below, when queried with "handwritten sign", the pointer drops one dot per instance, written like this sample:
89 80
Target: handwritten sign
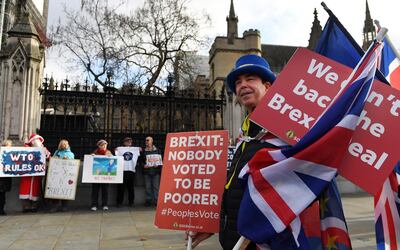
62 178
22 161
306 87
102 169
192 181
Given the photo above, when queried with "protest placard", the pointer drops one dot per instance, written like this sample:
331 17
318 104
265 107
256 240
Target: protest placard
62 178
301 93
192 181
102 169
231 153
153 160
22 161
130 155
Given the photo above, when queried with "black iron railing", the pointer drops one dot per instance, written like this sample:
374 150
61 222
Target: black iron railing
84 113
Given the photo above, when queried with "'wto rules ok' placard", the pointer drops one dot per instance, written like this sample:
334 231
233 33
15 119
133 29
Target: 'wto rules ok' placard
192 181
22 161
301 93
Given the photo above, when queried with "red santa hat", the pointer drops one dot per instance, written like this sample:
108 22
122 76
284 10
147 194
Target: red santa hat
34 137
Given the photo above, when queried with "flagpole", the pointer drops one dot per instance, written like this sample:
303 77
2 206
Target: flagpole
189 242
388 40
239 243
360 51
343 29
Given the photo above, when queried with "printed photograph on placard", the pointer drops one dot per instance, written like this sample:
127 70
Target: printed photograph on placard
104 166
102 169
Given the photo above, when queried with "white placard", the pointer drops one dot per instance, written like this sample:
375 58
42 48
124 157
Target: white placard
153 160
102 169
62 178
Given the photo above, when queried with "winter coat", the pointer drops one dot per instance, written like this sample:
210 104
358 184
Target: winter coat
5 184
30 186
64 153
228 235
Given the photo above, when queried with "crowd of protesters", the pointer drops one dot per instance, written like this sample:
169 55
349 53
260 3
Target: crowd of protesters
30 188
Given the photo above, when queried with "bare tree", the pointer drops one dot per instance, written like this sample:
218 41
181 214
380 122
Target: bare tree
142 46
89 36
158 32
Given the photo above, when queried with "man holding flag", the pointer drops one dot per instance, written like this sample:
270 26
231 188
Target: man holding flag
249 80
283 183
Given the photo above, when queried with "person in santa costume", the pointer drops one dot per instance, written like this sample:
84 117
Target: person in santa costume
30 186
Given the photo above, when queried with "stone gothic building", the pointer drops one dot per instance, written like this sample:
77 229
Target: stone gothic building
23 40
226 49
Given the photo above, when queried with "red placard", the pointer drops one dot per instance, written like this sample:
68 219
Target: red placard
192 181
305 88
374 151
299 95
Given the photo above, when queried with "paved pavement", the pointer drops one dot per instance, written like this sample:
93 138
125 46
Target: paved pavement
125 228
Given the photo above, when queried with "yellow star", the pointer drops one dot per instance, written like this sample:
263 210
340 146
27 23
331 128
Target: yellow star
322 205
331 242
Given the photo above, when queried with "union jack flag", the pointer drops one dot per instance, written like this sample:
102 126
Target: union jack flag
386 201
281 184
387 219
390 64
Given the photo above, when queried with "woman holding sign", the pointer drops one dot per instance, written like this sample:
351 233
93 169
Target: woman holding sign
152 171
101 150
63 152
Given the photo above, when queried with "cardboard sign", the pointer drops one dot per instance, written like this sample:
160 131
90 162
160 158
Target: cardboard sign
192 181
102 169
22 161
153 160
306 87
62 178
374 152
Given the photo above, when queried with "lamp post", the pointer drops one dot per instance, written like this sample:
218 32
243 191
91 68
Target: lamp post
170 80
108 93
109 84
170 93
